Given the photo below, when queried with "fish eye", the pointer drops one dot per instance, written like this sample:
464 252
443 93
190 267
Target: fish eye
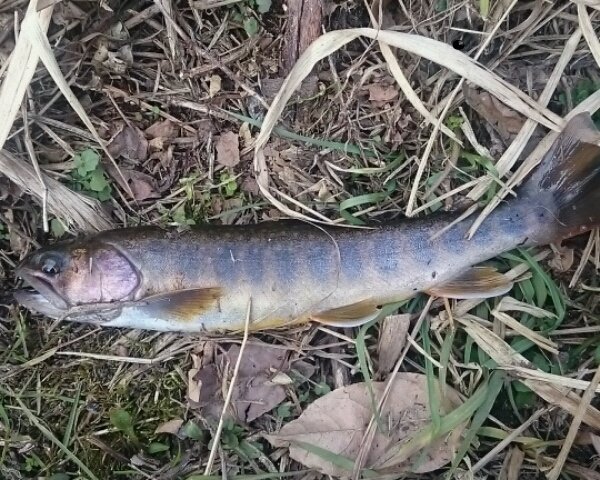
50 266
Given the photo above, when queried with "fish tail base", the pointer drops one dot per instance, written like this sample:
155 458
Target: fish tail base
567 182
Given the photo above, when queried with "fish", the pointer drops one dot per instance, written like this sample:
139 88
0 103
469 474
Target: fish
288 272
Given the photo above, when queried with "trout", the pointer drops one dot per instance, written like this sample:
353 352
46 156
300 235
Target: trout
205 278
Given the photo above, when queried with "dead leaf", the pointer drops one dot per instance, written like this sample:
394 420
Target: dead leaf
214 86
382 93
130 143
392 338
115 63
142 185
506 121
162 129
249 185
228 149
172 426
193 387
101 53
66 12
157 144
562 260
245 134
257 389
254 392
336 422
511 468
281 378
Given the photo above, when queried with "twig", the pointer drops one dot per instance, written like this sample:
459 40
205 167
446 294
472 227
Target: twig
36 167
217 437
504 443
584 403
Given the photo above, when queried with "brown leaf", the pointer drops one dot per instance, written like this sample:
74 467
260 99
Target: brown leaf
66 12
392 338
157 144
129 143
142 185
228 149
257 388
250 185
245 134
506 121
215 86
162 129
336 422
194 386
511 468
254 393
172 426
562 260
382 93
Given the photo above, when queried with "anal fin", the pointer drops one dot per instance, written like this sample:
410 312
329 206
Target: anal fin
180 305
477 282
352 315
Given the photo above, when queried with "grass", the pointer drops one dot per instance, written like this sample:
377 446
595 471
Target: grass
65 415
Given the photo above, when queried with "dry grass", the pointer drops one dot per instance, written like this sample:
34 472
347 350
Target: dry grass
81 402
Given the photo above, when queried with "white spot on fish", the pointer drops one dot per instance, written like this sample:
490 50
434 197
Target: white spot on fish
233 259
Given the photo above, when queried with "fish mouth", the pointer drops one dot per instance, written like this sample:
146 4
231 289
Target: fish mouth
38 303
35 301
42 287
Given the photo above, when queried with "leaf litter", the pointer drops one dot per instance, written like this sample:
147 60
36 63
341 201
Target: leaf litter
259 387
228 149
334 426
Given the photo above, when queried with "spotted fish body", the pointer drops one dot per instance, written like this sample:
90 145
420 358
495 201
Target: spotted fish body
291 272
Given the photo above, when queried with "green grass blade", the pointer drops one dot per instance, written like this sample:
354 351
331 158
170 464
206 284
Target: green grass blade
553 290
425 437
360 200
334 458
495 383
432 381
445 357
50 436
72 418
283 133
7 428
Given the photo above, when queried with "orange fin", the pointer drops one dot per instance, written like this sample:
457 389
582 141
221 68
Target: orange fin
181 305
477 282
349 315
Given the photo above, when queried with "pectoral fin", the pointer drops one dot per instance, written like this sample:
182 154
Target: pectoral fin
181 305
477 282
349 315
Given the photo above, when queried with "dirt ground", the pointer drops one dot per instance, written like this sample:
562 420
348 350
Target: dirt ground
179 93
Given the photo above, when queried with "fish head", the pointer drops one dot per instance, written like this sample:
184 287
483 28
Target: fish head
79 273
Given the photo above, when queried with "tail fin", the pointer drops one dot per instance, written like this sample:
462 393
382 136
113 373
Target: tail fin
567 181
